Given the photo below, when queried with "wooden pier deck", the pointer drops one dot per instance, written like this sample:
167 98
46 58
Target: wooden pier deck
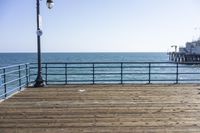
103 108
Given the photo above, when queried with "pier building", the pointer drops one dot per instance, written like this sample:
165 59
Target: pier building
189 53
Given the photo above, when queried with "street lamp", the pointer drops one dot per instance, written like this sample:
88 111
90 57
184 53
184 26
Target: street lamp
50 4
39 82
175 48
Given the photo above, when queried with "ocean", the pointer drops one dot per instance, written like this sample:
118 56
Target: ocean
18 58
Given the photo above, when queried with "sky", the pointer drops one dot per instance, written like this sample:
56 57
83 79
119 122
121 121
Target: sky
99 25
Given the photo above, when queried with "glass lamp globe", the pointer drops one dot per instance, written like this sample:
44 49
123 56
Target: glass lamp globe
50 4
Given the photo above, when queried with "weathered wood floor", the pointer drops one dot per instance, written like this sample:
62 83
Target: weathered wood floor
103 108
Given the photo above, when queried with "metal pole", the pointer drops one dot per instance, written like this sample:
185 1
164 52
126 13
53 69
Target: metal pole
27 79
20 81
121 73
149 73
93 74
177 73
4 81
66 77
39 82
46 74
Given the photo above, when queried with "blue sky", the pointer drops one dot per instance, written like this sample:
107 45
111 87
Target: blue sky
99 25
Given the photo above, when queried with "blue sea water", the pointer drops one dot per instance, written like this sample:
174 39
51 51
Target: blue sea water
18 58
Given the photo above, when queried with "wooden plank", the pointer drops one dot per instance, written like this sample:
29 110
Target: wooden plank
103 108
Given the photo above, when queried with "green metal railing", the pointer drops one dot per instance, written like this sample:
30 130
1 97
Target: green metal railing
117 72
13 78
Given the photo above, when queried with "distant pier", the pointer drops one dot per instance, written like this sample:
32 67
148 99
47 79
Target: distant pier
183 57
189 53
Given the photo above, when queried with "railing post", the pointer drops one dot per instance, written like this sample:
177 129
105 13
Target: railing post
177 66
93 74
66 77
29 73
4 81
46 71
27 80
149 73
20 81
121 72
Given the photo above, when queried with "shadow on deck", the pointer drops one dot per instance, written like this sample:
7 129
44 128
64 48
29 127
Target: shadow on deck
103 108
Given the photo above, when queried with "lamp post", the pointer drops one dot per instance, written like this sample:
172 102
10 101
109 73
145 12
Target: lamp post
39 82
175 48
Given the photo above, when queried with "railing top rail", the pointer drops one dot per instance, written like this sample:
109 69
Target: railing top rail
16 65
129 62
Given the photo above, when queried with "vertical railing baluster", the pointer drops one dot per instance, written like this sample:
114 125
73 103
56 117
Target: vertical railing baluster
46 74
27 80
177 66
4 81
20 81
149 73
29 72
66 77
93 74
121 72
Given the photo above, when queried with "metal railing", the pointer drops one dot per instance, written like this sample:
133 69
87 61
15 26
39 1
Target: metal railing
13 78
117 72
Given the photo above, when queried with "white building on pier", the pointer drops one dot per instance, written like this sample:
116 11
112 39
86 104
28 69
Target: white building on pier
189 53
191 48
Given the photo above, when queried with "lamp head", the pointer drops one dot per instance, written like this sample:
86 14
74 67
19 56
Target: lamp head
50 4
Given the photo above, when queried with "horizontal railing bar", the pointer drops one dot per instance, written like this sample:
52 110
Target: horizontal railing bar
96 67
124 62
11 81
118 73
163 73
189 80
120 67
12 90
164 80
142 80
120 80
136 66
10 72
175 80
14 71
189 73
164 66
124 65
145 73
70 67
60 67
71 74
12 66
109 73
69 81
115 73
